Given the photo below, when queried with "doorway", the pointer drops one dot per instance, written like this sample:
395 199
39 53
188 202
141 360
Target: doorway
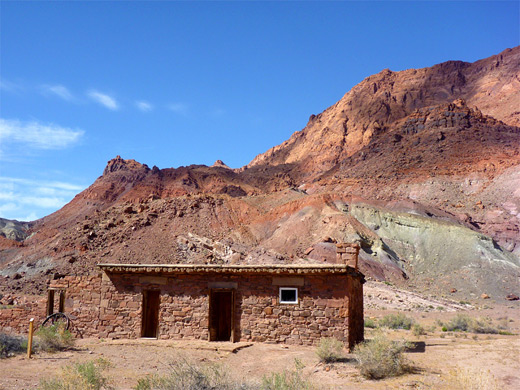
150 313
221 313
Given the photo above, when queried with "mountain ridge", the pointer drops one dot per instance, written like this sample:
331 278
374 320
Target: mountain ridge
406 163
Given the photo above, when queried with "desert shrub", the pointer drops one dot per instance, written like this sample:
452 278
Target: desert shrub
464 323
287 380
370 323
329 350
380 357
418 330
54 338
396 321
459 323
483 326
186 375
80 376
10 344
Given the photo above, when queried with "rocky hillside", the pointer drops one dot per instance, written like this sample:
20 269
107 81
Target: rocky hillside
421 167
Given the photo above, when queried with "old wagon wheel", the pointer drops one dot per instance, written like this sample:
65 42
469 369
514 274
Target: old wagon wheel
57 319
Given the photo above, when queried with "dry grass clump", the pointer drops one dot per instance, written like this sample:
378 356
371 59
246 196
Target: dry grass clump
380 357
396 321
329 350
287 380
80 376
186 375
54 338
10 345
475 379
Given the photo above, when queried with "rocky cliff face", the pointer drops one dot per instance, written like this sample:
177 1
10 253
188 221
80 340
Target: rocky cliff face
421 167
374 106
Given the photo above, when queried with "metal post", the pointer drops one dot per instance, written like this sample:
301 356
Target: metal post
30 340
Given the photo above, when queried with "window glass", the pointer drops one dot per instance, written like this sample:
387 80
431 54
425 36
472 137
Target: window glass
288 295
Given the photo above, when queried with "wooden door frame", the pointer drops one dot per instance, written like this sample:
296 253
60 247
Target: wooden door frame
210 311
145 299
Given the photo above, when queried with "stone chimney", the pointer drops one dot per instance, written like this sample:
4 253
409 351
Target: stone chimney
348 254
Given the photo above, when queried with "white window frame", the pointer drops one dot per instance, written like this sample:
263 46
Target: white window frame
288 289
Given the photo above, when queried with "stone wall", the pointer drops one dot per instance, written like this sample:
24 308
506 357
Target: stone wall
322 309
110 306
15 320
82 298
82 301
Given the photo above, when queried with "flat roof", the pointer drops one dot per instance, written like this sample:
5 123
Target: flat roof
219 268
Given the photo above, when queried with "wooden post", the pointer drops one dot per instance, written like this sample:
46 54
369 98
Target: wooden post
29 341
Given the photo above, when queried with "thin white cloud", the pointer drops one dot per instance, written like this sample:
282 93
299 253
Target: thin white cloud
7 208
10 182
34 201
9 86
38 135
144 106
57 90
27 199
103 99
178 108
32 216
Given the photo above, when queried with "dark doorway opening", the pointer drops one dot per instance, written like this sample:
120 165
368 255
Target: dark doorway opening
150 313
221 313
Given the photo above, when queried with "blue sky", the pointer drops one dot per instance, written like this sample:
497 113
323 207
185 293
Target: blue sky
180 83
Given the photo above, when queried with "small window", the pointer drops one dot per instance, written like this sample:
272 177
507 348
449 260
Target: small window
288 295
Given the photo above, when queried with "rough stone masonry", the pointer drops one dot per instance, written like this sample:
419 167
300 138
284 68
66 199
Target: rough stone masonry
328 301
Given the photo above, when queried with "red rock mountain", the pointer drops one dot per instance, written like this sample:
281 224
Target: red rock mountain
421 167
373 106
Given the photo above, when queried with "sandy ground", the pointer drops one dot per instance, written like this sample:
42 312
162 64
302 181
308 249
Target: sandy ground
441 358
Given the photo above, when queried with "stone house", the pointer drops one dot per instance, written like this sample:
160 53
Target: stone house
290 303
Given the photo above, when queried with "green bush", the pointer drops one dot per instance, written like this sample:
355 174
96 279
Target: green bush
186 375
370 323
80 376
329 350
396 321
464 323
54 338
10 344
380 357
418 330
287 380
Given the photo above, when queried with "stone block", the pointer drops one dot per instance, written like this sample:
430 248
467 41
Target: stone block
149 279
288 281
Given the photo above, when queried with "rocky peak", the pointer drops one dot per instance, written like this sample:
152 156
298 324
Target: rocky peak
119 164
220 164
